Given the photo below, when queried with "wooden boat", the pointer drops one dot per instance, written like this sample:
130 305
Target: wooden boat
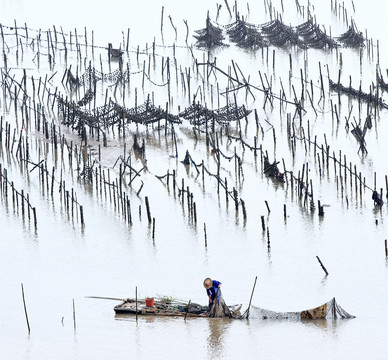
170 307
165 308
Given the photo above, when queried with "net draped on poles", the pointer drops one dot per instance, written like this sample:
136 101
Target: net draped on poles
329 310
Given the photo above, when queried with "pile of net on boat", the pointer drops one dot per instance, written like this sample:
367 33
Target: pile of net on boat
220 309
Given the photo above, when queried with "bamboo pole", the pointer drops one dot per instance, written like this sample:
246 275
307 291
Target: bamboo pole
75 327
25 310
250 300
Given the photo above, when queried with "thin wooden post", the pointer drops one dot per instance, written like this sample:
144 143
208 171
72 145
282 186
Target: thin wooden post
25 310
148 210
136 301
204 229
262 223
153 229
187 310
250 300
323 267
266 203
75 327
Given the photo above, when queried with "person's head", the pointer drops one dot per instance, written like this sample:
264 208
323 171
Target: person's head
208 283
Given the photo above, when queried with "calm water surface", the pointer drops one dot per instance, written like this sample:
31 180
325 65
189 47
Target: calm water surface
61 261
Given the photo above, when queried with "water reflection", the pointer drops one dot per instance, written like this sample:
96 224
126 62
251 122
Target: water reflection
329 326
218 328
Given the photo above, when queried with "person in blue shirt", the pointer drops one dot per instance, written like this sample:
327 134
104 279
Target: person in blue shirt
211 287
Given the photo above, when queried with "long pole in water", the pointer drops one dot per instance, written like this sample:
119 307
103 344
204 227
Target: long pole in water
136 302
105 298
25 310
187 310
75 327
250 300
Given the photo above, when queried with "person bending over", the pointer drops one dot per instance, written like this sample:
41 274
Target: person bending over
211 287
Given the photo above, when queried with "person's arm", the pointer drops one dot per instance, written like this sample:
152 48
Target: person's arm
209 294
217 283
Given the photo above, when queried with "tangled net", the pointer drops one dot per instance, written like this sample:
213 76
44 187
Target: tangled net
357 93
210 36
314 37
199 115
276 33
88 97
245 35
92 75
352 37
279 34
111 114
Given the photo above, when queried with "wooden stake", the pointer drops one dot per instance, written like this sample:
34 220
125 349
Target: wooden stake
25 310
262 223
250 300
148 210
323 267
136 301
75 327
187 310
204 229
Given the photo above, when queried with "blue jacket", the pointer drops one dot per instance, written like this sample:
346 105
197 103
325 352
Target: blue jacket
213 290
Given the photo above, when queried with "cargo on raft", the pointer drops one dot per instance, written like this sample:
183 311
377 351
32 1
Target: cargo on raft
164 307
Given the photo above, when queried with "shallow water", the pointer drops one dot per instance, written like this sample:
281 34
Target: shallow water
62 261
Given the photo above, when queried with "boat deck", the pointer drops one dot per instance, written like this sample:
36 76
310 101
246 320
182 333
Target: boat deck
160 309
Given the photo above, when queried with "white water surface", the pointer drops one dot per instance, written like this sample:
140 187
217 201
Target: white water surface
62 261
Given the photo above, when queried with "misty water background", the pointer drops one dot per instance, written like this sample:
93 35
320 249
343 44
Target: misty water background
61 261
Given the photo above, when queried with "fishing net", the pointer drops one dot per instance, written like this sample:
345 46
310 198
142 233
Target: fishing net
199 115
329 310
352 37
314 37
219 308
88 97
279 34
110 114
209 36
245 35
92 75
337 86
